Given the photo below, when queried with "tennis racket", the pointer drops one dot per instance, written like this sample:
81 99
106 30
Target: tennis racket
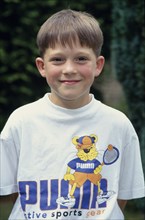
110 155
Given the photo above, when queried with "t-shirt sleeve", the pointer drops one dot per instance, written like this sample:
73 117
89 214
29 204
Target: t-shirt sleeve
8 161
131 184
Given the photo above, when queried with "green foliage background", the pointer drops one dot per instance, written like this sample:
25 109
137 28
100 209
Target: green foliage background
128 56
122 22
128 61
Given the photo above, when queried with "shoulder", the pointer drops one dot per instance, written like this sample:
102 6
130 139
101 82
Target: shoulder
111 114
114 119
23 115
29 109
110 111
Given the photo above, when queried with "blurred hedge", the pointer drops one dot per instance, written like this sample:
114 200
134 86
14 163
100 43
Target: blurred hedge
128 59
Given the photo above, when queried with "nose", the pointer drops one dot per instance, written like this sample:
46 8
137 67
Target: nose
69 67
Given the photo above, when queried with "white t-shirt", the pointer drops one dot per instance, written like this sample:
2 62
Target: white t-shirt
41 142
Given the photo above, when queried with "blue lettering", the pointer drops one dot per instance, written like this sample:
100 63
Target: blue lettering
64 190
86 195
104 189
44 194
49 193
28 193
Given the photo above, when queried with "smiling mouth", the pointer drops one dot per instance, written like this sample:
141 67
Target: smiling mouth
86 150
70 82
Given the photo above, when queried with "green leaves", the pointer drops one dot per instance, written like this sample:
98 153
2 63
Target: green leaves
128 58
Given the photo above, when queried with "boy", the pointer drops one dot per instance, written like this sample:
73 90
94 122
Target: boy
68 155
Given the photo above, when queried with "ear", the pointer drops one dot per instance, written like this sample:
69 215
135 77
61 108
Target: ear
40 66
95 137
74 140
99 65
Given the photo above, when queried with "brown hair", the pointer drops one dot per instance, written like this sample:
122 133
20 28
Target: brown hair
66 26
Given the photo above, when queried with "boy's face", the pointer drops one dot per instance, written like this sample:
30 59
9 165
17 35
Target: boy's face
70 73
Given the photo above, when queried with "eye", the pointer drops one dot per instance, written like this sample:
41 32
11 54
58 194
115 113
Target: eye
57 60
81 59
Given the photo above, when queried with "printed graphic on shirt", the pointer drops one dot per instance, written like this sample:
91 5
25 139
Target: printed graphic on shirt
87 168
82 188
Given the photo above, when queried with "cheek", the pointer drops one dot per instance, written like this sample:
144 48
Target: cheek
88 71
50 80
51 75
